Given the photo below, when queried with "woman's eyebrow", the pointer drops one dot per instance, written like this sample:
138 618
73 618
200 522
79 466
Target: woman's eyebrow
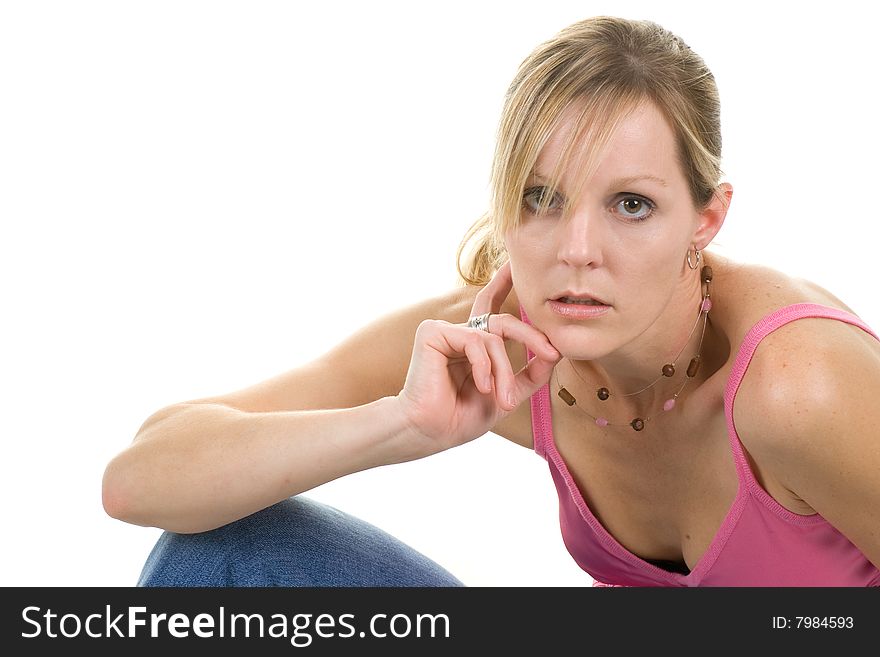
623 182
620 182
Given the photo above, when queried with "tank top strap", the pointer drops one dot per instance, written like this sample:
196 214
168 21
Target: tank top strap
770 323
753 338
539 402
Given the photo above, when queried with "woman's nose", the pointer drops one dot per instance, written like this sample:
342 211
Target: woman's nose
580 239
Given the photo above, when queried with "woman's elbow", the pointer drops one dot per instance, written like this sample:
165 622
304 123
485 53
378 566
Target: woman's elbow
112 496
117 493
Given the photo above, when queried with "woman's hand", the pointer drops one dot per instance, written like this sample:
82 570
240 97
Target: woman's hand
460 381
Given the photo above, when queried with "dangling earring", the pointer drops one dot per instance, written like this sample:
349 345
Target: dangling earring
697 257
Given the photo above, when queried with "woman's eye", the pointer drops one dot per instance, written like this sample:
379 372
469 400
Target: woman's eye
635 208
534 197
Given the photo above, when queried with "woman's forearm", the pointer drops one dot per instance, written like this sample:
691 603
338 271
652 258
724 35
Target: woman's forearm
199 466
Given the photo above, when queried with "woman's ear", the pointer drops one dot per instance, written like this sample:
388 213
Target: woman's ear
712 216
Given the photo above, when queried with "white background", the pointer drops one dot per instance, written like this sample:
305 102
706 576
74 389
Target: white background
196 196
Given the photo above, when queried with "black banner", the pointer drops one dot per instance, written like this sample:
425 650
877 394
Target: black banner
433 621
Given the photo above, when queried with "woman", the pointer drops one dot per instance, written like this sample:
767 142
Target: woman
686 417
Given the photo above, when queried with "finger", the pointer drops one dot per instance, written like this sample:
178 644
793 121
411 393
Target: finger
492 296
532 377
502 371
481 364
490 365
452 344
509 327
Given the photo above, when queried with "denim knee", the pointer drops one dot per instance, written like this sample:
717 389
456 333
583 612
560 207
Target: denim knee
297 542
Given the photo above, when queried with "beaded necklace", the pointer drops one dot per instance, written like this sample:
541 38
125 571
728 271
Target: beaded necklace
667 371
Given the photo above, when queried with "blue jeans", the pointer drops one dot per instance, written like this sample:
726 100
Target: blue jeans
297 542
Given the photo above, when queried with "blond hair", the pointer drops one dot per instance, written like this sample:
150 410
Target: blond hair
602 68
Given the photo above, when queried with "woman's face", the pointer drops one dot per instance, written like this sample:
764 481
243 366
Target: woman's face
624 244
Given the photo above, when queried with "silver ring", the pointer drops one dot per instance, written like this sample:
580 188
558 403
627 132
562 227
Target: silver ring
480 322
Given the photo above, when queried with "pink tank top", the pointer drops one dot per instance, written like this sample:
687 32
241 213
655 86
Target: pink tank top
760 542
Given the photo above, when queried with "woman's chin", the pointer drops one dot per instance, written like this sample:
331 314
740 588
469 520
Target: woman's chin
574 345
574 342
575 351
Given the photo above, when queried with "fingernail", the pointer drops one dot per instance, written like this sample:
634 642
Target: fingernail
511 399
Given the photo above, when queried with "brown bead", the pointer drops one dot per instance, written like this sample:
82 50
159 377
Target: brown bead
638 424
706 273
566 396
603 393
668 369
694 367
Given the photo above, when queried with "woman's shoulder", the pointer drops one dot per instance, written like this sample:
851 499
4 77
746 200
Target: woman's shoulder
812 361
746 293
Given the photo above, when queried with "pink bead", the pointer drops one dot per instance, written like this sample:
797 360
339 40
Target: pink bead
601 421
707 305
668 405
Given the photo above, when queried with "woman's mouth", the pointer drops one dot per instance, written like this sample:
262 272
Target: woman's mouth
578 307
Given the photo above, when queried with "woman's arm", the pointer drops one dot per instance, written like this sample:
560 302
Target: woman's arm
194 467
199 464
812 415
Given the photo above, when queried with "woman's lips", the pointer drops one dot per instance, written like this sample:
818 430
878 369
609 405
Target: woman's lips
578 310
